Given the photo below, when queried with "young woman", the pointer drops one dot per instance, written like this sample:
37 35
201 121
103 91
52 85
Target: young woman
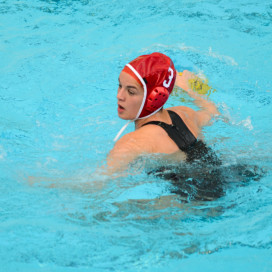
144 86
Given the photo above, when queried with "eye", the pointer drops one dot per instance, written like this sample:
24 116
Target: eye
131 92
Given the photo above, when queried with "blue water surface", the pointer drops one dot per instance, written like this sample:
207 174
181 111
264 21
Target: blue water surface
59 67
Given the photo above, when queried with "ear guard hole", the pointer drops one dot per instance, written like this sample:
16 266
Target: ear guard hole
156 98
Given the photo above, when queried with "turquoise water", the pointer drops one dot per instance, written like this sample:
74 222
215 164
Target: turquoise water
59 64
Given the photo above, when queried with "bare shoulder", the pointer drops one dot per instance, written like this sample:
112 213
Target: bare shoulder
127 149
141 141
183 111
189 117
134 141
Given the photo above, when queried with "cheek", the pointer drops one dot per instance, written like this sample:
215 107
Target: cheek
138 102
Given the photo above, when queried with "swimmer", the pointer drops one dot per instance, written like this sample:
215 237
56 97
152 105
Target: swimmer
144 87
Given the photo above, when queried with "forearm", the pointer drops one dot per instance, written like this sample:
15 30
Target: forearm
92 183
201 101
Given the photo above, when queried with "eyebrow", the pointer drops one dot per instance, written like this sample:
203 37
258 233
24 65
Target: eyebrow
129 86
133 87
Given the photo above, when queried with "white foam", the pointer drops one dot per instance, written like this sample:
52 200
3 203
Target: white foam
226 59
246 123
229 118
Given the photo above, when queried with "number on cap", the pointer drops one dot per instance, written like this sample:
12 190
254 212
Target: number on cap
170 78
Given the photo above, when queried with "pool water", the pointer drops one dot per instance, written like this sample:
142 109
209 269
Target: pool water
59 65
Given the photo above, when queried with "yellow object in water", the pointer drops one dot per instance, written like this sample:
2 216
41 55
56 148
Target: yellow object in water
200 86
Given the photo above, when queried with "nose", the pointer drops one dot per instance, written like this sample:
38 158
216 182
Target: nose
120 94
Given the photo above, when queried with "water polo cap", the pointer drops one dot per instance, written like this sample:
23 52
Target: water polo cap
157 75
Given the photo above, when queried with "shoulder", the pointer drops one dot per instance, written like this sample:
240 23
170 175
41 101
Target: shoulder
138 141
127 149
183 111
187 114
133 143
190 117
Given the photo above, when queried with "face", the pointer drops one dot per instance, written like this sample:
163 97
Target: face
130 96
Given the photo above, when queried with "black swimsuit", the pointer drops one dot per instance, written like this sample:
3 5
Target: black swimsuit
203 176
178 131
195 150
189 181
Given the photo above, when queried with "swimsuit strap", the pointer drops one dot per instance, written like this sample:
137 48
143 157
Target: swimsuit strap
178 131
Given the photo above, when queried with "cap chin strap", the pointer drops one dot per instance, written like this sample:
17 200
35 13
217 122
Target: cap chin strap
121 130
130 121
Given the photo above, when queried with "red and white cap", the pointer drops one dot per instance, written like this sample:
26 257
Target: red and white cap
157 74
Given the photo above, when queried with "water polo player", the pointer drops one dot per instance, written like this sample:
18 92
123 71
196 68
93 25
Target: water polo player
144 87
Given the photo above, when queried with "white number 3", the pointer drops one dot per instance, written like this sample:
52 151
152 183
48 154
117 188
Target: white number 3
165 83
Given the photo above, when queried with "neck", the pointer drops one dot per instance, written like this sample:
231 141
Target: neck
162 115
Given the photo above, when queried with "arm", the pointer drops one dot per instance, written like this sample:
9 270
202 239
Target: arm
207 108
125 151
88 183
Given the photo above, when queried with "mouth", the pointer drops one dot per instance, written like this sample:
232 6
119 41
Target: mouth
120 108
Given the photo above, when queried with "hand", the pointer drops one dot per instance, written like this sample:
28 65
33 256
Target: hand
183 81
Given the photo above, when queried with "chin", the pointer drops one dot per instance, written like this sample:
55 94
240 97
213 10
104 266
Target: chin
124 117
